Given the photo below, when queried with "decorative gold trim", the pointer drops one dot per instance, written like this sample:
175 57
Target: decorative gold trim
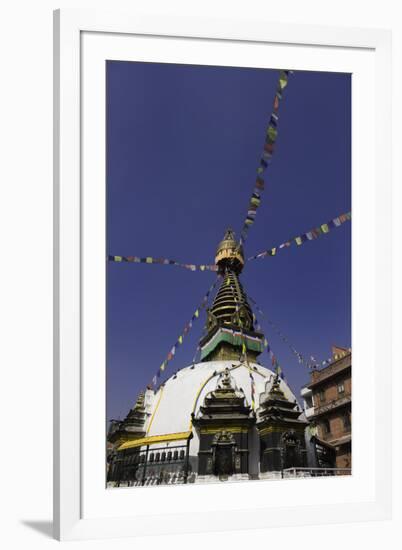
270 429
154 439
156 408
226 428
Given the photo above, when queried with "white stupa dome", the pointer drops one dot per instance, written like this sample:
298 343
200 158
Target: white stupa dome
171 409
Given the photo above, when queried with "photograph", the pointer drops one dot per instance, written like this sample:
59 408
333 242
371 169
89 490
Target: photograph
228 274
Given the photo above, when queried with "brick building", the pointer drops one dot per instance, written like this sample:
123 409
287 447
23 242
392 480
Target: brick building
328 397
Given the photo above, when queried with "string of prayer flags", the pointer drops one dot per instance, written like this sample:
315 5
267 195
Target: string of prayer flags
186 330
279 333
162 261
308 236
313 363
266 155
252 390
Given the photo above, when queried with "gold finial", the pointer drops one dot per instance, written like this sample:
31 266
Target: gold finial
229 253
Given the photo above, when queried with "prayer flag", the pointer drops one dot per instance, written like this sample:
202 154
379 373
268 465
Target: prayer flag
272 133
298 241
283 79
273 120
325 228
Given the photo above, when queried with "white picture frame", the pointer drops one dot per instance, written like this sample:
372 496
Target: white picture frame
81 507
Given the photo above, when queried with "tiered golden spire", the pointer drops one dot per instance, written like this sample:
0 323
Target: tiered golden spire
230 327
229 254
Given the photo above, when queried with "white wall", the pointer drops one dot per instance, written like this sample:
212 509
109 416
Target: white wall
26 273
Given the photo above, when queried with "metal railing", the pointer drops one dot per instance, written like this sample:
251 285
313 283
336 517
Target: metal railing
315 472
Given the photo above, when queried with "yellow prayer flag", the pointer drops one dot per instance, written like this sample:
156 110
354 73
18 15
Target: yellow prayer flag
283 82
180 339
148 260
273 251
197 313
325 228
298 241
162 367
118 258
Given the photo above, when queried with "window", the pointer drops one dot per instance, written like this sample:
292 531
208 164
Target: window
157 457
169 455
151 457
346 421
341 387
182 454
175 455
326 426
163 457
322 396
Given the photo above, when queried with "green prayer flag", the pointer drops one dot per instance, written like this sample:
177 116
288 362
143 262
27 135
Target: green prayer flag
283 79
272 133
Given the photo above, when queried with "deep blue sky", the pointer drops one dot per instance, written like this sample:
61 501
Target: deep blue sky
183 145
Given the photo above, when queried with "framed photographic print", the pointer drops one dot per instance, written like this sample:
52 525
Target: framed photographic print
211 285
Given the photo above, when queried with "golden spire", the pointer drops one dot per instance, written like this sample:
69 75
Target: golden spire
229 254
